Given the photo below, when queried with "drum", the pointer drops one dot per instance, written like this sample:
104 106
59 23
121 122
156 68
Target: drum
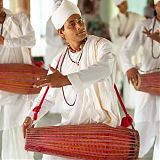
19 78
85 141
149 83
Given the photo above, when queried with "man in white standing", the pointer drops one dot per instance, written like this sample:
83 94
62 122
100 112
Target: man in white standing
147 111
83 85
120 28
16 36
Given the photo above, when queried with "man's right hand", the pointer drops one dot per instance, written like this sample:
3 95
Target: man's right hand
132 75
27 124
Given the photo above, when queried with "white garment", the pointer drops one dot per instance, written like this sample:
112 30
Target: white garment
147 111
120 28
14 152
18 37
54 43
93 78
15 50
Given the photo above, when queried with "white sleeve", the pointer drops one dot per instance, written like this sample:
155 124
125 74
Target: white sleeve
130 47
27 37
97 72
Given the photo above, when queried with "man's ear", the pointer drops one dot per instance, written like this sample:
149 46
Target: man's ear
61 33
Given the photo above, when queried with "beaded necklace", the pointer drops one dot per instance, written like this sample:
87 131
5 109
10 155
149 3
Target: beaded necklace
72 104
76 62
152 43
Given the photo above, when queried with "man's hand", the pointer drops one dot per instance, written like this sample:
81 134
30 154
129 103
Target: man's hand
27 124
1 40
55 80
132 75
155 35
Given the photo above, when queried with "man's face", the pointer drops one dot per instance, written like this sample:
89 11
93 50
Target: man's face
74 29
157 8
123 7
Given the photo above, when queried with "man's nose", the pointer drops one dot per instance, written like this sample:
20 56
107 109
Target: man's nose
79 24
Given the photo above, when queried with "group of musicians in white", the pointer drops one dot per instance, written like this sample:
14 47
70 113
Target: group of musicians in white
82 75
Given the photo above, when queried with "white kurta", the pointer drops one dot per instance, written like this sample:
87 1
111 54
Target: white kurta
120 28
18 37
92 83
147 111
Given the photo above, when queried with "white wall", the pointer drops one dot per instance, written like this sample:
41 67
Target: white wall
41 10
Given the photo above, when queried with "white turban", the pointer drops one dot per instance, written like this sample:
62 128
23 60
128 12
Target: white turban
156 1
118 2
63 12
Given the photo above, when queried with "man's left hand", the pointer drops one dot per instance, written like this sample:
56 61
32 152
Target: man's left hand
54 80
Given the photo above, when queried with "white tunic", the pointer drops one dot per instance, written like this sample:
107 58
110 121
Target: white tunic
91 90
92 86
120 28
147 111
18 37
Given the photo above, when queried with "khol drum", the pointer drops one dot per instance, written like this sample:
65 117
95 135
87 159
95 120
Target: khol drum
149 83
85 141
19 78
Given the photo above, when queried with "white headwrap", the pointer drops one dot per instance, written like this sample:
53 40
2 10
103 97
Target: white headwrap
63 12
156 1
118 2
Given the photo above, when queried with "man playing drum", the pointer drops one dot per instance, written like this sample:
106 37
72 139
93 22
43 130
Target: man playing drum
83 84
147 111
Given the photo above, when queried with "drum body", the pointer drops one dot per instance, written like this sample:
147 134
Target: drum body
149 83
86 141
19 78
